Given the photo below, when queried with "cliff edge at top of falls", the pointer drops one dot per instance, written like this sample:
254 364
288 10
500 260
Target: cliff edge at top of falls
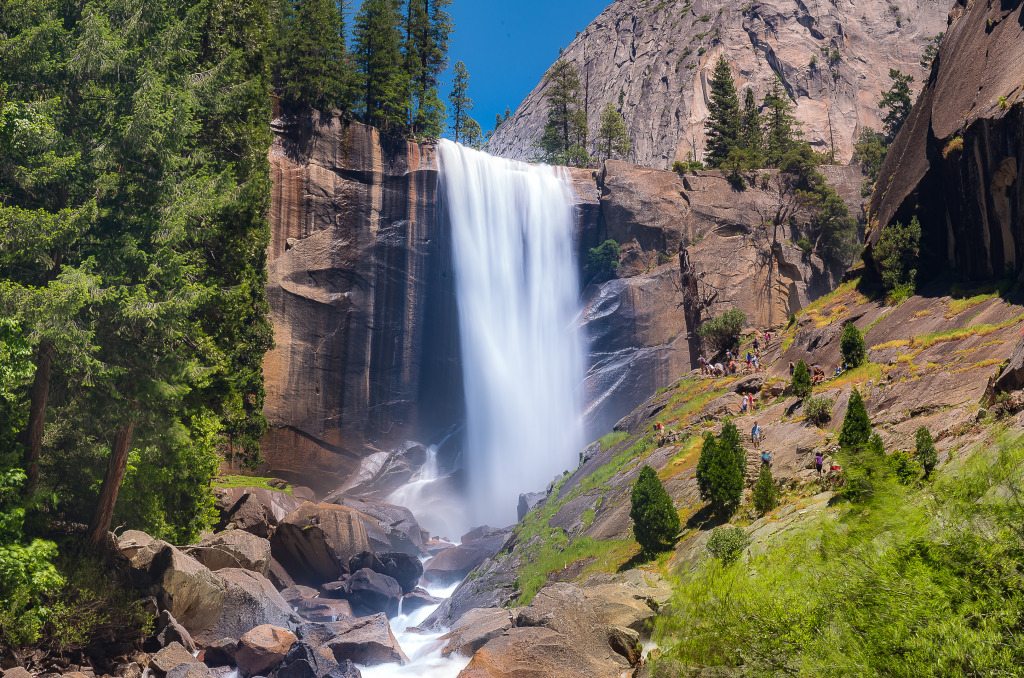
363 306
653 60
957 164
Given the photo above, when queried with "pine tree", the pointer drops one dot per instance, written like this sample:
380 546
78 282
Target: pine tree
876 445
472 135
655 519
731 443
856 430
780 125
723 125
613 136
460 102
707 452
925 451
852 346
801 380
428 33
312 66
722 478
897 100
766 494
565 134
752 131
383 81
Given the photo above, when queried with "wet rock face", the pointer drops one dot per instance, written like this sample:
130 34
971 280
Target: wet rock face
958 161
360 298
653 61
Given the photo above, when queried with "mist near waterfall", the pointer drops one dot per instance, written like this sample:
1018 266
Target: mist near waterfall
516 286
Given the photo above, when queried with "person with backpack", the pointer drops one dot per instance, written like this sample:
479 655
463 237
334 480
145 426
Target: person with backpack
819 461
755 435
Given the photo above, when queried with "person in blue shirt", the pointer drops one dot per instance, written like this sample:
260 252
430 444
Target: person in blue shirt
755 435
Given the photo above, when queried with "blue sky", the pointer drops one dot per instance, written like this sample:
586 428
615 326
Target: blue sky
507 46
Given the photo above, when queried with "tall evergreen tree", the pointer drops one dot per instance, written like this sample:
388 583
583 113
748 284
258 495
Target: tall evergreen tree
724 123
565 134
707 453
312 65
460 102
612 137
383 81
428 33
472 134
780 126
897 100
924 450
751 130
655 519
856 429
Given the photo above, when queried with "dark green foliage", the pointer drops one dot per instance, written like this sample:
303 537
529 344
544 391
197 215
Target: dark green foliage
924 450
312 63
870 151
612 137
896 254
603 260
801 380
655 519
752 131
720 470
852 346
876 445
766 494
722 330
459 100
564 141
904 468
472 134
856 424
779 124
428 32
688 165
792 320
727 543
897 100
931 49
383 84
818 410
724 122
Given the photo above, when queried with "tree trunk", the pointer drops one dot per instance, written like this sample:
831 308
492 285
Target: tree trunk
32 436
116 468
691 306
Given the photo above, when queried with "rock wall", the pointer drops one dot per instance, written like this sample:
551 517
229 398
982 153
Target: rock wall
958 161
653 61
361 297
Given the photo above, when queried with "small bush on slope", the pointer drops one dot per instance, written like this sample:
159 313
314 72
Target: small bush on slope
655 520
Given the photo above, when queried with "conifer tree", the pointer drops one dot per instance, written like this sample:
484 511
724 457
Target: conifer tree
852 346
313 66
460 102
925 451
428 33
722 477
612 136
724 122
897 100
655 519
707 452
472 134
730 442
779 124
383 81
565 134
752 131
856 430
801 380
766 494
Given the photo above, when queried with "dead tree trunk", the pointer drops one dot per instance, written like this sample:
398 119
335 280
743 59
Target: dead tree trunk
116 468
32 436
691 306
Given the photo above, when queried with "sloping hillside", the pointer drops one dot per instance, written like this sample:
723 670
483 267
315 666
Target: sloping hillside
652 59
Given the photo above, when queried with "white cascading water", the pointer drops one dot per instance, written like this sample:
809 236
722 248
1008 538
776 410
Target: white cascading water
512 227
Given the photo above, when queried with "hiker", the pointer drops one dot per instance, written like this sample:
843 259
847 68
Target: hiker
792 368
767 339
732 366
756 345
819 461
659 429
839 370
755 435
766 459
818 376
743 404
719 370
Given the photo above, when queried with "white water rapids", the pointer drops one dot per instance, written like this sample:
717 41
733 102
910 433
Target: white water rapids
512 228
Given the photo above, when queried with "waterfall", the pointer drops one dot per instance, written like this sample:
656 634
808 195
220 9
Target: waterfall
512 229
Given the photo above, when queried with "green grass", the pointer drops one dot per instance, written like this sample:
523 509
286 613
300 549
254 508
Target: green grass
246 481
821 302
925 340
609 440
956 306
557 554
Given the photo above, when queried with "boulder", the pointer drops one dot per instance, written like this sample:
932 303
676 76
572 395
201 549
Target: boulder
749 384
17 672
371 592
278 576
303 493
220 652
305 661
416 599
262 649
250 600
170 657
451 565
474 629
170 631
189 591
396 525
482 532
316 541
293 594
324 609
139 549
536 653
529 500
404 568
235 548
250 515
627 643
435 546
367 641
334 589
197 670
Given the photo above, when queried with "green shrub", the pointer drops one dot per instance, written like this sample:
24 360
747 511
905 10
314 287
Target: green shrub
655 519
792 320
856 424
801 380
720 470
896 255
925 451
876 444
723 330
852 346
603 260
904 467
818 410
727 543
805 245
766 494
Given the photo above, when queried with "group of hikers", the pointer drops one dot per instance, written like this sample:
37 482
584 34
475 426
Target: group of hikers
752 359
818 374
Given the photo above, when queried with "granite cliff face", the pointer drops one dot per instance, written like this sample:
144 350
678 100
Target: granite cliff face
362 298
653 60
958 162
